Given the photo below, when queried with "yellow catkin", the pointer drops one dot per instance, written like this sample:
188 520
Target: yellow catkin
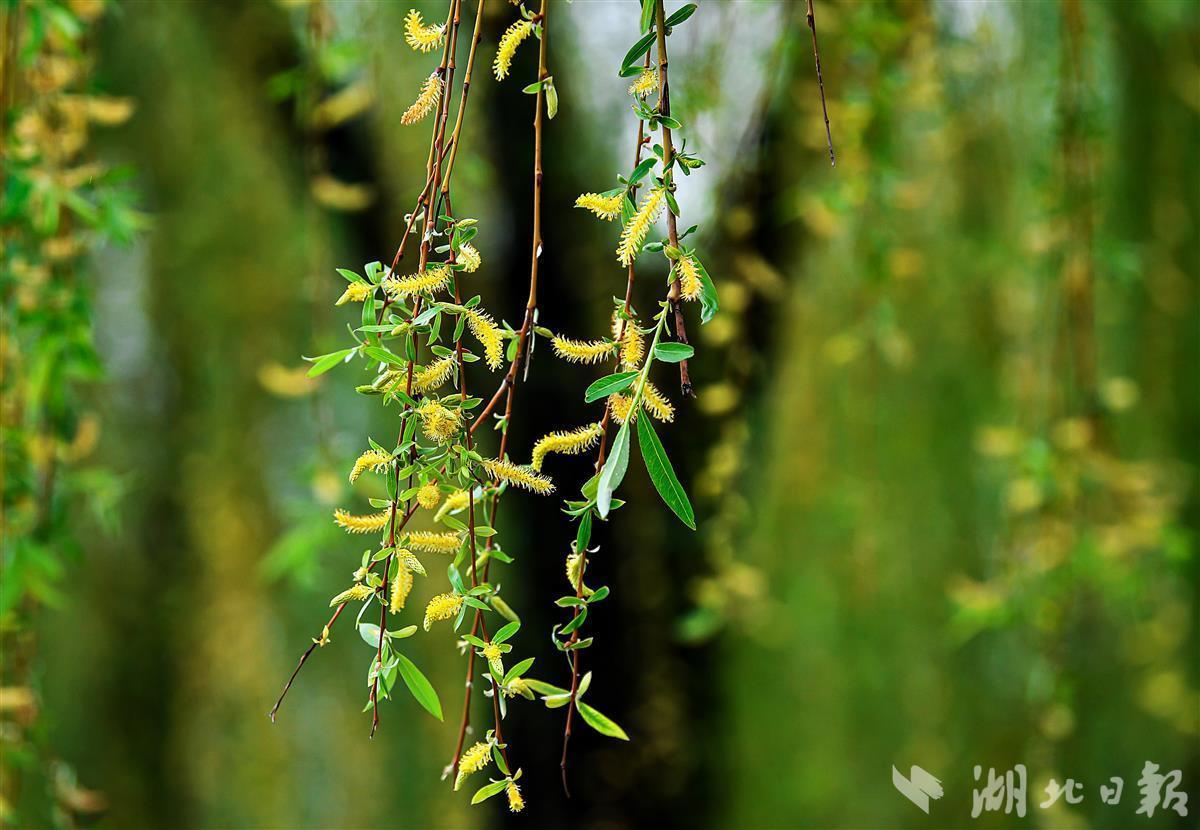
469 258
433 375
633 345
442 607
619 406
369 460
646 83
356 292
495 657
485 330
690 285
582 351
509 41
361 524
431 93
439 423
516 803
429 495
401 586
518 476
353 593
656 403
458 500
574 574
567 442
605 207
434 278
472 761
427 542
633 235
420 37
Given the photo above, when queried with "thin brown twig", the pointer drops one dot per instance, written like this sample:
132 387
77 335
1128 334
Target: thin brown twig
811 18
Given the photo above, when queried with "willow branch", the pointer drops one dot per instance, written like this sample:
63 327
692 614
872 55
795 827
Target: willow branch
811 18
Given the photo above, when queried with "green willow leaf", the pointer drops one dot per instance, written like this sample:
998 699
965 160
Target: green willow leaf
325 362
608 385
487 791
419 686
673 352
600 722
663 474
636 51
709 303
614 470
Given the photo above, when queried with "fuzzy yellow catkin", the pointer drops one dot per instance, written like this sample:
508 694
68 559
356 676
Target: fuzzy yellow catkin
485 330
690 285
472 761
633 345
429 495
442 607
646 83
582 351
518 476
401 586
656 403
469 258
354 592
406 558
633 235
604 207
361 524
574 573
566 442
427 542
458 500
433 375
356 292
434 278
439 423
619 406
369 460
509 41
515 802
420 37
431 93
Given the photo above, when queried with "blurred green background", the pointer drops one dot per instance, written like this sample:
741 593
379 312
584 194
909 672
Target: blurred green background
943 456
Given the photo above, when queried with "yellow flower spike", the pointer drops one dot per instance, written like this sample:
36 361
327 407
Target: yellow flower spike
515 802
633 346
567 442
361 524
431 93
518 476
582 351
472 761
619 406
495 658
420 37
409 561
356 292
433 375
442 607
645 84
509 41
485 330
458 500
427 542
689 278
439 423
633 235
370 460
575 574
435 278
356 592
401 586
429 496
656 403
469 258
605 207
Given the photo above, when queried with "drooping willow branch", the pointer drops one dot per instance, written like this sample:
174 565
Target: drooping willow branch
811 18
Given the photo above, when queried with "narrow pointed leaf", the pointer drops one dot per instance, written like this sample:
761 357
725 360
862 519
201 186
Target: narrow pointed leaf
663 474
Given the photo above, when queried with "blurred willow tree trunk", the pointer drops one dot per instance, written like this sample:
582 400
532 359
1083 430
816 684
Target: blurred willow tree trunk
925 291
